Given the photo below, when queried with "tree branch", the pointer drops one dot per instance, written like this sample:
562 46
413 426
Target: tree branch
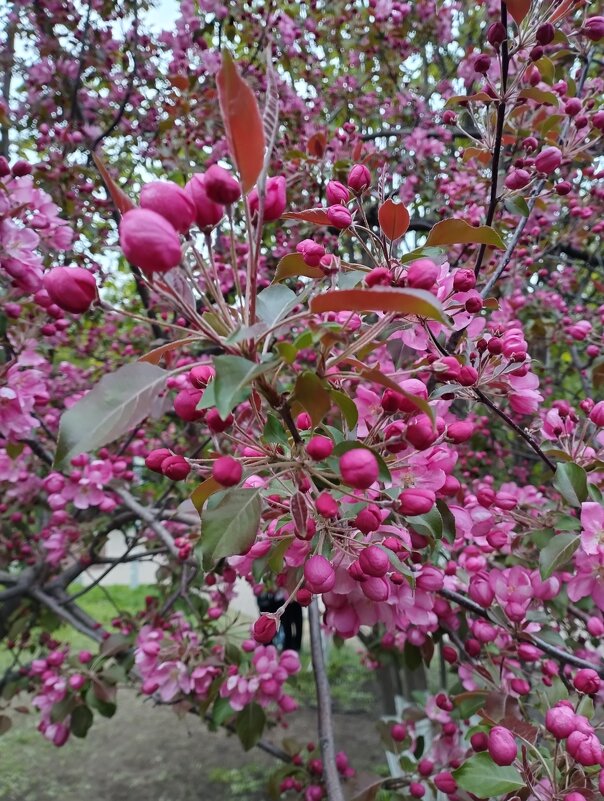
564 657
324 717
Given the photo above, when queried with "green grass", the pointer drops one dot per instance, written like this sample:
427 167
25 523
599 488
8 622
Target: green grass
102 604
352 686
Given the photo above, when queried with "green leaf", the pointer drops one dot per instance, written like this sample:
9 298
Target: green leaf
586 707
556 692
431 523
222 711
81 721
230 526
274 302
412 656
482 777
311 394
61 709
106 708
448 520
233 375
250 724
517 205
557 553
118 403
459 232
274 433
571 482
422 253
347 406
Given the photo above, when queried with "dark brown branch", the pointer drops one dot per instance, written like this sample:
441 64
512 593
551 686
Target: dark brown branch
564 657
498 136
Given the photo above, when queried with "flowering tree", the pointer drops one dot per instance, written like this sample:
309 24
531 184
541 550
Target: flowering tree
320 314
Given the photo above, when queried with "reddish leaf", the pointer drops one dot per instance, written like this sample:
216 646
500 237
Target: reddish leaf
311 395
394 219
200 495
459 232
293 265
242 122
316 144
404 301
121 201
154 356
518 9
563 9
375 375
179 81
316 216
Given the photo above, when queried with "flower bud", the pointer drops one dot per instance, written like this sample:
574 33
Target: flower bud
359 178
319 447
468 375
593 29
445 782
319 574
264 629
460 431
597 414
398 732
227 471
175 468
185 405
587 681
548 160
336 193
479 741
311 252
502 746
421 433
207 212
156 458
149 241
21 168
339 217
560 721
368 520
545 34
517 179
430 579
73 289
464 280
416 501
482 62
327 506
200 376
172 202
275 201
496 35
563 188
422 274
375 588
585 748
359 468
220 186
374 561
215 422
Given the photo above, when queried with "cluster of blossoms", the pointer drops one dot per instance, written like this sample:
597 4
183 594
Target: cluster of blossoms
335 435
171 664
454 736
